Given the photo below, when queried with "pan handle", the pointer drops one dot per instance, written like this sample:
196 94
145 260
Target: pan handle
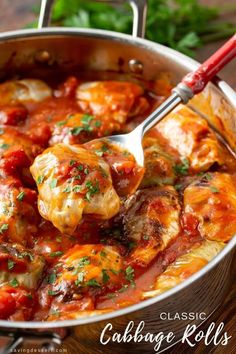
139 8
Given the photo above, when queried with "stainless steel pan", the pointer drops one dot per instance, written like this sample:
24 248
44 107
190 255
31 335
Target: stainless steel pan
46 51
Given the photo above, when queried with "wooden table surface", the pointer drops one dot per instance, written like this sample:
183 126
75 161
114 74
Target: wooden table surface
15 14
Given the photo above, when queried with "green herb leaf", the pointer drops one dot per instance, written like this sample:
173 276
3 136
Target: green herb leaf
3 228
183 168
56 254
53 183
83 261
14 283
67 189
207 176
105 276
77 188
61 123
20 196
214 189
72 162
40 179
93 283
114 271
132 244
98 123
181 24
55 312
59 239
4 146
178 187
86 119
52 278
10 264
129 274
92 189
123 289
145 237
103 254
27 254
80 279
76 130
52 293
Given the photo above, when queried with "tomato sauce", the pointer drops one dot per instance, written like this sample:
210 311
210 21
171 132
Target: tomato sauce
104 263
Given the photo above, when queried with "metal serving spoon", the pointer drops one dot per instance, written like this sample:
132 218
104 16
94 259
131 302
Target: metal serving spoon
190 85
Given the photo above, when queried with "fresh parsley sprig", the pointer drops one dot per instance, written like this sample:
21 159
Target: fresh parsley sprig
180 24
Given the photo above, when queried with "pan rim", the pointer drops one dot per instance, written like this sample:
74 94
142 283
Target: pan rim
190 65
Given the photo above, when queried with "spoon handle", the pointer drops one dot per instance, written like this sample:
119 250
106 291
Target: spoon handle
192 84
198 79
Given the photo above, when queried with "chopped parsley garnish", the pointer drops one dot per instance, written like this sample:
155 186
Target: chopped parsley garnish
124 288
72 162
86 127
83 261
182 169
1 131
3 228
14 283
129 274
4 146
80 167
76 130
26 254
93 283
77 188
40 179
114 271
92 188
52 278
98 123
55 312
77 177
20 196
101 151
10 264
103 254
61 123
56 254
178 187
105 276
86 119
131 245
207 176
53 183
80 279
145 237
52 293
214 189
67 189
